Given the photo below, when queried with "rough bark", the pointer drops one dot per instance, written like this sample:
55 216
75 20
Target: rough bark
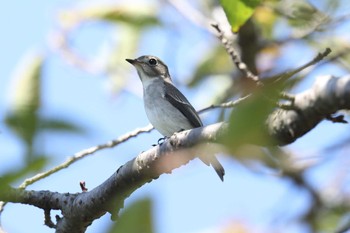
327 96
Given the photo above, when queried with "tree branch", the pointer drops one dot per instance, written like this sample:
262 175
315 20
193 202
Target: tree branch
328 95
242 67
282 77
229 104
81 154
110 195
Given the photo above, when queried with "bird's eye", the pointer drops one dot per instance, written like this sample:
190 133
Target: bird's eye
152 61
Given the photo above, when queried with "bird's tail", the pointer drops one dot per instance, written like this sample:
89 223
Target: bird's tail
218 167
214 162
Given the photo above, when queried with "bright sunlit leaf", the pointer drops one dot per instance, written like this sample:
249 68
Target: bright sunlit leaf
26 86
266 18
25 97
139 17
239 11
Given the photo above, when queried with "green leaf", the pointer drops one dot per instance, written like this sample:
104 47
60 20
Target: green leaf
303 17
57 125
238 11
26 97
247 124
217 62
34 166
26 92
139 17
136 218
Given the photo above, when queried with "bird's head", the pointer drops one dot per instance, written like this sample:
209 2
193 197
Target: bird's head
149 67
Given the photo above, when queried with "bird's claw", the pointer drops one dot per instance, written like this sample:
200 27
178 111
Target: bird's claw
162 140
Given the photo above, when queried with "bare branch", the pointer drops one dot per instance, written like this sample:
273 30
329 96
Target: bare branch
286 75
328 95
81 154
110 195
59 42
48 221
242 67
134 133
229 104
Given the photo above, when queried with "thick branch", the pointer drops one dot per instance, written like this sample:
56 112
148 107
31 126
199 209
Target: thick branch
41 199
79 210
328 95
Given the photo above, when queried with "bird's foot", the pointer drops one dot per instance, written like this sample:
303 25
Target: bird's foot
161 141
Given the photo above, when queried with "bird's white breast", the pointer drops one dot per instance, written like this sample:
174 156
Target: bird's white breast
162 114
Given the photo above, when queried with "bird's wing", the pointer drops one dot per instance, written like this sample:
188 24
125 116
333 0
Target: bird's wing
179 101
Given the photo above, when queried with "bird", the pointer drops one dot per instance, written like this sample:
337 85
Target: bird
167 109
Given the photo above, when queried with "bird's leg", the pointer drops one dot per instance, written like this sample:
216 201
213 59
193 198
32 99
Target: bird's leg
161 141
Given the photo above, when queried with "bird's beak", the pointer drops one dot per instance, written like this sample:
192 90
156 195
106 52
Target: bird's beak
132 61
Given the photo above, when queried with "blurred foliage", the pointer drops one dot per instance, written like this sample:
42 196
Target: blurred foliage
24 117
264 29
59 125
247 120
34 166
238 11
265 18
136 218
215 63
303 17
26 98
268 27
131 21
138 17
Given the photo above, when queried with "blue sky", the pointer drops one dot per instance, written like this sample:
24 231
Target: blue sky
192 199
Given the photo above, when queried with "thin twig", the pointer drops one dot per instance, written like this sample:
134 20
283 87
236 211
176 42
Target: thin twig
229 104
148 128
286 75
81 154
48 221
235 56
59 42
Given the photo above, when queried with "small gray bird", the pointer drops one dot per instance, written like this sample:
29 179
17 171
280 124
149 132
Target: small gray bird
166 107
